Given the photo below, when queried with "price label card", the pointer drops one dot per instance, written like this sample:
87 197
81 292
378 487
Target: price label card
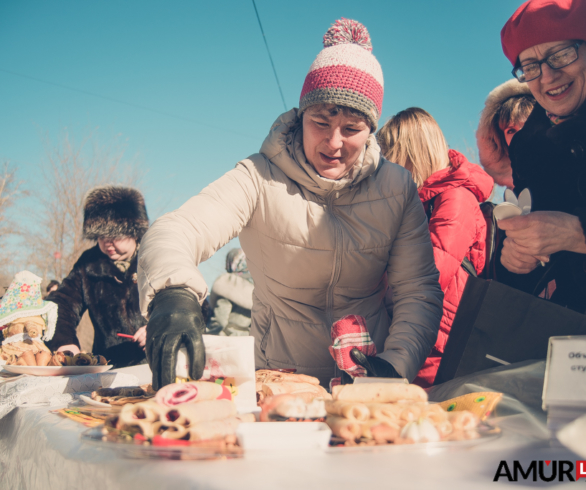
565 372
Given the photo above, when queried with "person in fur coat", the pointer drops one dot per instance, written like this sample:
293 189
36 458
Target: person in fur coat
506 109
103 280
450 188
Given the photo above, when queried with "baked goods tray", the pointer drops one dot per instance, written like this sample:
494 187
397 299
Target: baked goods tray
128 447
485 434
55 370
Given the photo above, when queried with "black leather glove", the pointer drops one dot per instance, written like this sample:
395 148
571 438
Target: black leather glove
175 318
375 366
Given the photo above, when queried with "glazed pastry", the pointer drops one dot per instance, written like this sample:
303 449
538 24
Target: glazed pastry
169 430
315 409
28 357
349 410
379 392
463 420
54 361
435 413
193 413
270 376
193 391
391 411
8 358
82 360
296 408
348 430
59 359
270 389
142 415
383 431
43 358
123 395
215 429
269 404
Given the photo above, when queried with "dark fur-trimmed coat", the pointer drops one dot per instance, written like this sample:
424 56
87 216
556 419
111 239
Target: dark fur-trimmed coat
550 161
111 298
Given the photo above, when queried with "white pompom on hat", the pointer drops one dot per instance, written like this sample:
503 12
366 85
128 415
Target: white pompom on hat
346 73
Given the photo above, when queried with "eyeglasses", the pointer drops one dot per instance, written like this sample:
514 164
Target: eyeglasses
557 60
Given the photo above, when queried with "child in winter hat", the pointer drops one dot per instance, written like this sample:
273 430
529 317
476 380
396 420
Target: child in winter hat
346 73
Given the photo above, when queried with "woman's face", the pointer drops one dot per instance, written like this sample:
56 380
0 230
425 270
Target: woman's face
117 248
333 143
511 130
561 91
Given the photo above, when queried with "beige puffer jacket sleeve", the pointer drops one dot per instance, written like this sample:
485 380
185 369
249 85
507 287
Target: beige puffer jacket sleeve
179 241
417 296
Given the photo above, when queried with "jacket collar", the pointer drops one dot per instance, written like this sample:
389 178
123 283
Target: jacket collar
460 173
538 121
100 266
284 148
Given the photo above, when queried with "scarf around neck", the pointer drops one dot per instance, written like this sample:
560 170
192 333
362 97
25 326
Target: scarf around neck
124 265
555 119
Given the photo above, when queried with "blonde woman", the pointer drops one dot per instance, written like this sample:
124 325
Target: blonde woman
450 189
505 111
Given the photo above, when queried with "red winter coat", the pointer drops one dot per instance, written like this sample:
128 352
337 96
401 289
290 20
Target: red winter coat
458 229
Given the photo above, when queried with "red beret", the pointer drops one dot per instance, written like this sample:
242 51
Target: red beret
543 21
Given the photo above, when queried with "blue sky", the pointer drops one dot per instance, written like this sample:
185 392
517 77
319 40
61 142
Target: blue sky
189 87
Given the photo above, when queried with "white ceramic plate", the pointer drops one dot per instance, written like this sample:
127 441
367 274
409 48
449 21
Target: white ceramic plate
55 370
90 401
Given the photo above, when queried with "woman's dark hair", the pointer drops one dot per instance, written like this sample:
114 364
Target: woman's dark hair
515 110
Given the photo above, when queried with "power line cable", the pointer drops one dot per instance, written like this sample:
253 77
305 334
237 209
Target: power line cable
131 104
270 57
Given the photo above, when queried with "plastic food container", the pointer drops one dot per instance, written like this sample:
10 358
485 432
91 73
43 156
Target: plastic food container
283 436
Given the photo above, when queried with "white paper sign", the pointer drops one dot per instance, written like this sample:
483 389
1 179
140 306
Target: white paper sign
227 357
565 372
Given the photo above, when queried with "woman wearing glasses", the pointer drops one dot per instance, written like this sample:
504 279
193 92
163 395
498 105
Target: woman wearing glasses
545 41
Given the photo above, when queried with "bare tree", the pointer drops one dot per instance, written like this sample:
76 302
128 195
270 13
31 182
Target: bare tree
70 170
10 191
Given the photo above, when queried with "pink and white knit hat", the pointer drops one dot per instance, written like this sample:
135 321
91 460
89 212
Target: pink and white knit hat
345 72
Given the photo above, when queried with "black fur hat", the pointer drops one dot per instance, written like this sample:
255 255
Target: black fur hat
114 211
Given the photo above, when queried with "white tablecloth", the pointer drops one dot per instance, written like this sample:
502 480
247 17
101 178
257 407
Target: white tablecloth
53 391
40 450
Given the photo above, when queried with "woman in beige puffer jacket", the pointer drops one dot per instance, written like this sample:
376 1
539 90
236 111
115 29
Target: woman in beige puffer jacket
318 248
